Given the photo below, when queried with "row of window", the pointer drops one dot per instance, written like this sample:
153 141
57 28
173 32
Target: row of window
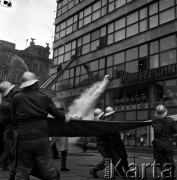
65 5
118 30
132 60
88 15
6 76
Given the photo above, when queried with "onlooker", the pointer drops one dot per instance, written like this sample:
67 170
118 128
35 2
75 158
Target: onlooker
62 145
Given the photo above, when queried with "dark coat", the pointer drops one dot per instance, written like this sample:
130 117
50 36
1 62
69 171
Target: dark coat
5 116
32 106
164 128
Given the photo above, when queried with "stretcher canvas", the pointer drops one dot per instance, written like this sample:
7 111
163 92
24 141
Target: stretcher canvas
86 128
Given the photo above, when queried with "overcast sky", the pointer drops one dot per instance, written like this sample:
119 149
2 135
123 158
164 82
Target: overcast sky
28 19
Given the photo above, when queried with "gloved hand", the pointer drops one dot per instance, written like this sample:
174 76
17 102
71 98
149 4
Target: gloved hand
76 118
67 119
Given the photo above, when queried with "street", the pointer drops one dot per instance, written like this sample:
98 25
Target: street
80 163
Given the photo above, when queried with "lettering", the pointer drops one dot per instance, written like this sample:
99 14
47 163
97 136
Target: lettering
149 74
109 171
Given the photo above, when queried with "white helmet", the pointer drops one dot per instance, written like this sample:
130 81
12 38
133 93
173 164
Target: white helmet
28 79
109 110
98 113
161 111
6 87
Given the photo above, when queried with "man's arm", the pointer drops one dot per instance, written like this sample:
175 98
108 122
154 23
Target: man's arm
54 111
174 127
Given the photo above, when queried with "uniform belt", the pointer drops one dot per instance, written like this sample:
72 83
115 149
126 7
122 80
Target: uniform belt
31 134
40 124
164 138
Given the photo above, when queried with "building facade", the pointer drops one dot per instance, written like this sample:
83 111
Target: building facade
13 62
134 41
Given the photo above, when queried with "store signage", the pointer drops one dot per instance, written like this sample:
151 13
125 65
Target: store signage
149 74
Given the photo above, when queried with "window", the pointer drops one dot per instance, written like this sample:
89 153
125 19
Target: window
95 35
118 71
168 58
86 39
119 35
153 21
109 61
132 67
168 43
154 61
94 45
142 64
143 51
119 58
154 47
94 65
132 18
163 4
153 8
132 30
131 54
167 15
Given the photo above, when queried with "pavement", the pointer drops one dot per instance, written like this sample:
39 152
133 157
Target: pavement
80 163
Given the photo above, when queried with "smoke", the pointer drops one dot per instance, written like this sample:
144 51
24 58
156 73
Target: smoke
85 104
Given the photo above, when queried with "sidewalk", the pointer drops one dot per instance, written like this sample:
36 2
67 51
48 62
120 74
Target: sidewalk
80 163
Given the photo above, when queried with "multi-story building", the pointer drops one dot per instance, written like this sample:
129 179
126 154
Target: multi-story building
134 41
14 62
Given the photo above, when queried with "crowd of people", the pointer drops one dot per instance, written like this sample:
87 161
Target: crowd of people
25 148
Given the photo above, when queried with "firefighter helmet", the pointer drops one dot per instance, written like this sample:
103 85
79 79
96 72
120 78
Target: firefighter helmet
28 79
161 111
5 88
109 111
98 113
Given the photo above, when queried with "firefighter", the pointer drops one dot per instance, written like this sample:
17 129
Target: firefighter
117 148
7 158
30 110
164 128
102 145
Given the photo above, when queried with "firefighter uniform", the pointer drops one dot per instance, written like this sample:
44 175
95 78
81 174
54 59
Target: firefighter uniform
30 110
117 149
102 146
7 157
164 128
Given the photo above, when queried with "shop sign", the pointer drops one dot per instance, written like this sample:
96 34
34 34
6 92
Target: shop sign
149 74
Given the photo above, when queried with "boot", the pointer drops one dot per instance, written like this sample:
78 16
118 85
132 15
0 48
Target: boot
54 151
63 161
93 172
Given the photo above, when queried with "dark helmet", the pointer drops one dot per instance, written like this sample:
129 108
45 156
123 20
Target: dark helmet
161 111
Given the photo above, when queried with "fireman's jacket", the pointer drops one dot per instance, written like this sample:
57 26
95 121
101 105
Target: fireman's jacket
164 128
5 116
102 140
31 108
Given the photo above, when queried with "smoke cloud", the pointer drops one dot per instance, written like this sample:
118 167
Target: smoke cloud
85 104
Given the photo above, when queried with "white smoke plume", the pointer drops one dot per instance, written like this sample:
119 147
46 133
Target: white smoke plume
85 104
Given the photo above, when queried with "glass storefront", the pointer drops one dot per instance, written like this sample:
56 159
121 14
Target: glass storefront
138 102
